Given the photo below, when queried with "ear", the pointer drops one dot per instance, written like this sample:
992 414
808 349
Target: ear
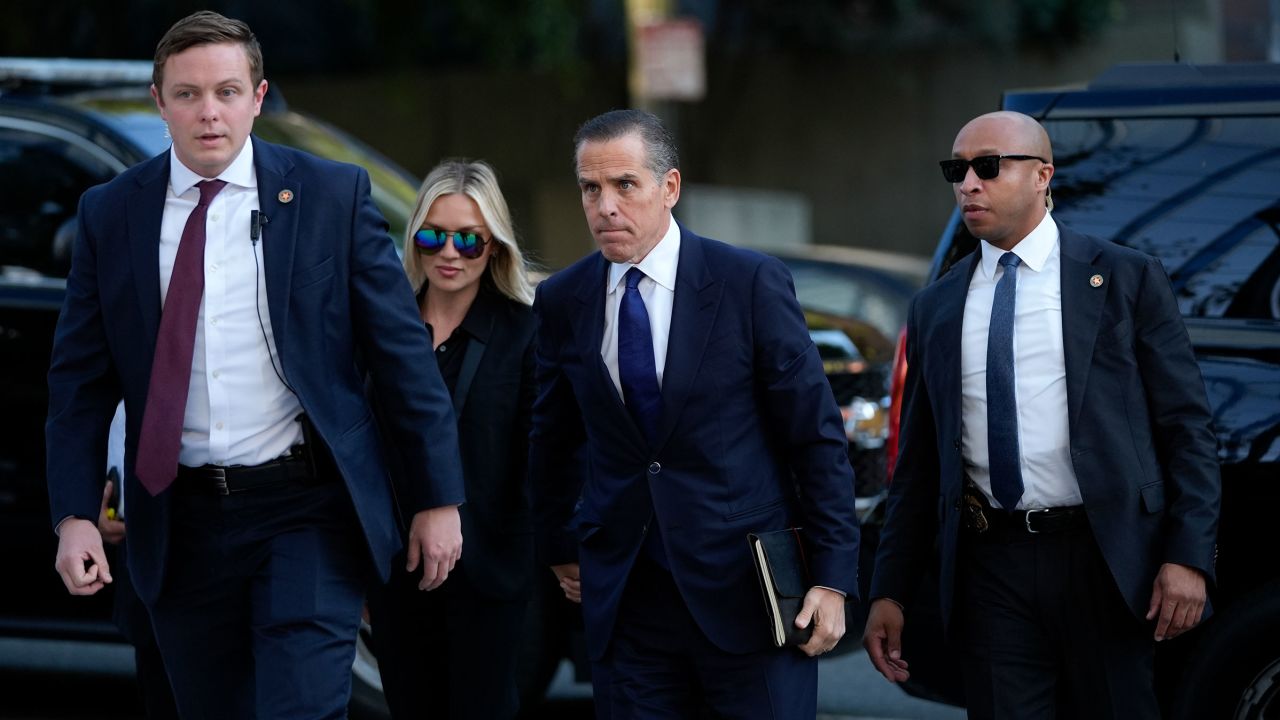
259 93
1043 175
671 188
155 95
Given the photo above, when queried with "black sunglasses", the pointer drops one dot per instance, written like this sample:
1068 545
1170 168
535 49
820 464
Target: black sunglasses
430 241
985 167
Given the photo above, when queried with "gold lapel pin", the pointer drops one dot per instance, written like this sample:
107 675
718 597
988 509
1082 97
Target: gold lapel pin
1096 281
285 196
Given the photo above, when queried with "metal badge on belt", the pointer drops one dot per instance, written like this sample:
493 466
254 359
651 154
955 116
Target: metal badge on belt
975 518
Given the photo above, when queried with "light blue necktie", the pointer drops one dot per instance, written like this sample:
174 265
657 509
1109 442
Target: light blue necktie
638 375
1002 401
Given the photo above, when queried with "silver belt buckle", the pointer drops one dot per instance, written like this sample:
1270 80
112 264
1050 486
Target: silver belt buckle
220 480
1027 519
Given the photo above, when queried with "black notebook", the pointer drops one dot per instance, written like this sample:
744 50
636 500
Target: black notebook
784 577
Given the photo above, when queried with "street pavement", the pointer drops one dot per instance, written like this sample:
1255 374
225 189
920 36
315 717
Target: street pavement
848 689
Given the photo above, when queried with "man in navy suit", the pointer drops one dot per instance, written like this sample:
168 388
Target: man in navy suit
1056 442
254 532
676 374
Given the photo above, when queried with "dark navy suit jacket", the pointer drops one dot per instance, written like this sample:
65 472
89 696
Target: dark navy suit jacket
750 439
1138 418
337 296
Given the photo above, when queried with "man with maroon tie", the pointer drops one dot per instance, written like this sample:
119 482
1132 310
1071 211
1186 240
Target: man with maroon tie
235 294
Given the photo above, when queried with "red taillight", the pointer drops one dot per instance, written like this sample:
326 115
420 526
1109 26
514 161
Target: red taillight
896 383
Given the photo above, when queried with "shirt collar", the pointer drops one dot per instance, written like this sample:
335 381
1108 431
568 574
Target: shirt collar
239 172
659 265
1033 250
479 318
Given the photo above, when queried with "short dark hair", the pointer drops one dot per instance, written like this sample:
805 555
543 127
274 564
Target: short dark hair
660 148
207 28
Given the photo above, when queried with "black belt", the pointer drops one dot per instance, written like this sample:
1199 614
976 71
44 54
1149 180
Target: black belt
220 480
982 519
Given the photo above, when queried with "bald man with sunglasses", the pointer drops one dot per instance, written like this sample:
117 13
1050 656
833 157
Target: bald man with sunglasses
1056 442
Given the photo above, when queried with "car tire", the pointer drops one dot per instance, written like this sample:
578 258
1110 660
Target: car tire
1235 671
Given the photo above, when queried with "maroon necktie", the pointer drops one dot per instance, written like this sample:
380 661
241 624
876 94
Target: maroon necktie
161 438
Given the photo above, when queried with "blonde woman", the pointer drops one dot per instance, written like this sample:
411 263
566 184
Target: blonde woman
452 652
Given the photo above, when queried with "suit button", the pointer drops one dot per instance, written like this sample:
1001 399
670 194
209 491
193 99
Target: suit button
957 443
655 468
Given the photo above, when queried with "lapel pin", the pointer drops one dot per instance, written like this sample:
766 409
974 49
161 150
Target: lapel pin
1096 281
286 196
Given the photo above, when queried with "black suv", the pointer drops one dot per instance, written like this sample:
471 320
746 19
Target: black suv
1183 163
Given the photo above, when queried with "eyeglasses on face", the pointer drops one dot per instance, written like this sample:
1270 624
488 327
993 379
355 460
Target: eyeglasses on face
985 167
430 241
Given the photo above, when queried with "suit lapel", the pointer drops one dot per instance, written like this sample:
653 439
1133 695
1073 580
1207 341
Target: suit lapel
1081 309
279 200
589 330
479 326
948 326
144 213
697 300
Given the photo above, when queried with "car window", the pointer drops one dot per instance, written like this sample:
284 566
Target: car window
1201 194
42 174
876 299
393 193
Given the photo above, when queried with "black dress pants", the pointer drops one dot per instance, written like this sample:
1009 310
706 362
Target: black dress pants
1046 632
451 652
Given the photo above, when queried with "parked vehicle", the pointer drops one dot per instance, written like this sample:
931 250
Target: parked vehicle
1183 163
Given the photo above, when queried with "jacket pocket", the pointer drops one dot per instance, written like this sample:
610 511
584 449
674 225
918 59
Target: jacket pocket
757 510
1152 497
317 273
1119 334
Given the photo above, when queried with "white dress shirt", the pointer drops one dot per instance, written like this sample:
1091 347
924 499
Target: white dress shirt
1040 372
657 288
238 411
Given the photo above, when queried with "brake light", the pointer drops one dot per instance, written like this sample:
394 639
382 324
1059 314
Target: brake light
897 382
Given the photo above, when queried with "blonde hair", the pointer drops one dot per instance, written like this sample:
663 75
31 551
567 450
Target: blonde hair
507 267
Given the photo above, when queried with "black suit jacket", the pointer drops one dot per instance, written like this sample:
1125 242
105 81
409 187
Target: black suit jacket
1141 445
750 439
493 400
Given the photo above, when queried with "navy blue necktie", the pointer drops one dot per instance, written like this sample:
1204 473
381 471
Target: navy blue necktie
638 375
1002 402
637 370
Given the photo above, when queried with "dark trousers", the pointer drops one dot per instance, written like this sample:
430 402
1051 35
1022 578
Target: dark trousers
260 606
135 624
1046 633
448 653
661 665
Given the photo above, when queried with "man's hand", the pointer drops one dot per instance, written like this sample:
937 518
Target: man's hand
825 608
570 583
112 530
81 562
1177 597
883 640
435 538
